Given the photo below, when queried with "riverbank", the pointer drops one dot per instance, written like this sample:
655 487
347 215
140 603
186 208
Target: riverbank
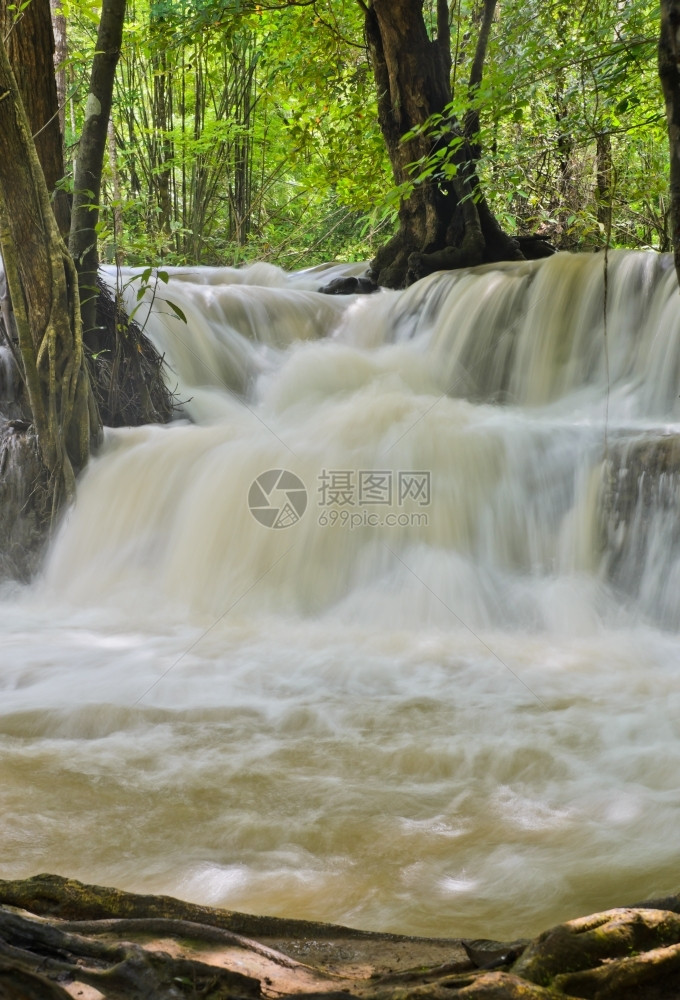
62 939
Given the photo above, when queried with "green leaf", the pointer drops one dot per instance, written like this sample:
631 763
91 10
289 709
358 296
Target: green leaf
177 311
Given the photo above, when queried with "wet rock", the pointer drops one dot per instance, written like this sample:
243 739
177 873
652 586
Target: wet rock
25 501
13 402
642 473
639 522
25 506
350 286
486 954
535 247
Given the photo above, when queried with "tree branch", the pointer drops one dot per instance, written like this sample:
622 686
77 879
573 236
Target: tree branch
471 122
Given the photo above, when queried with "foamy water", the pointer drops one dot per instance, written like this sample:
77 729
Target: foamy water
448 723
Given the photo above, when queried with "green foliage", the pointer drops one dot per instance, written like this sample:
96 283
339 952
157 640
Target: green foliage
240 131
249 130
571 122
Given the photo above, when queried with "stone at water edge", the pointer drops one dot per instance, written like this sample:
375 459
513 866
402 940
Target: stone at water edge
598 948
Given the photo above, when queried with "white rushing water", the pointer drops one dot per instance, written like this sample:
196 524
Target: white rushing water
435 702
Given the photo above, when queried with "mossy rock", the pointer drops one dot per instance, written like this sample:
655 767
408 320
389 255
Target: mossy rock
584 957
68 899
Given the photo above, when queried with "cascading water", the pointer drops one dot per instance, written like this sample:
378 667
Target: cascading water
440 694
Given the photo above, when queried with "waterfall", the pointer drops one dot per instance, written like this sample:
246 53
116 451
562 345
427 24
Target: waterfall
384 628
500 384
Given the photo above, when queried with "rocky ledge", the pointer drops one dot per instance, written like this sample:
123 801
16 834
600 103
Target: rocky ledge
62 939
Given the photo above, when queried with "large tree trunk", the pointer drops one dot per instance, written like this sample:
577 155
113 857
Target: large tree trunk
446 222
30 48
43 288
669 74
87 184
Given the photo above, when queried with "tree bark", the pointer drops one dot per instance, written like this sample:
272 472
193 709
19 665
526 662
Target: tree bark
43 287
117 194
161 151
476 72
87 185
30 48
603 181
669 74
445 222
60 56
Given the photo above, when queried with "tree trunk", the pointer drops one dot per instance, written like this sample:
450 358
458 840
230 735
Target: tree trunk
472 115
43 287
117 195
603 186
60 57
87 186
445 223
30 48
669 74
161 151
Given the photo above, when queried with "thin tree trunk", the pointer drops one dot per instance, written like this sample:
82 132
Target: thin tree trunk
60 56
669 74
471 126
161 149
604 180
87 185
117 195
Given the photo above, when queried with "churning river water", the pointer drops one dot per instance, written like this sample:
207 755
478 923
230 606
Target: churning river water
423 675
